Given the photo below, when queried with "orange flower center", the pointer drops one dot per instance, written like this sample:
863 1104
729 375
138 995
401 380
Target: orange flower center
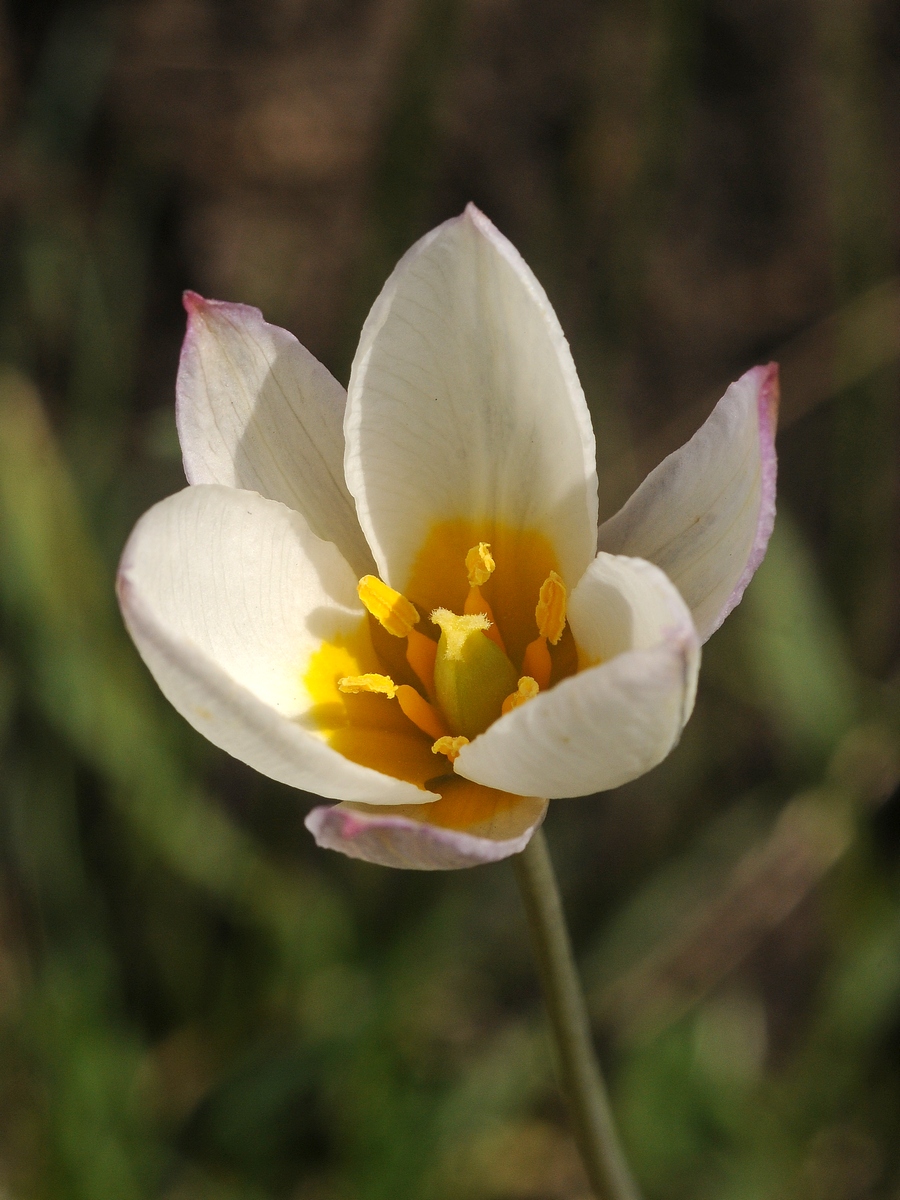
478 630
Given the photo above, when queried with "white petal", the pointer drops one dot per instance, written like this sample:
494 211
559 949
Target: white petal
410 838
623 604
609 723
464 403
255 410
227 596
706 512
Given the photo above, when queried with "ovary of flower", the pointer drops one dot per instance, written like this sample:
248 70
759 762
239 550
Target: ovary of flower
400 597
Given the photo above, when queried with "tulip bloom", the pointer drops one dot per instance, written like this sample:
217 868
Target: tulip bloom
399 598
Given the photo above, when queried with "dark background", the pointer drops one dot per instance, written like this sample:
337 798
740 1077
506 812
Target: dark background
195 1002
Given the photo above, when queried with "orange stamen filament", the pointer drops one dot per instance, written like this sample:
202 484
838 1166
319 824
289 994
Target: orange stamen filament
475 603
536 662
420 712
421 653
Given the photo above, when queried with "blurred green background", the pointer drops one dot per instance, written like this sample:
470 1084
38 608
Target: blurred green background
195 1002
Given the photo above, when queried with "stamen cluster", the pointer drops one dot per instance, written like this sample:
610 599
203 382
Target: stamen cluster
467 677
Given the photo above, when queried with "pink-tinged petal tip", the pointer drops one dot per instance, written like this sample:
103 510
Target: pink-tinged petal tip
770 391
768 400
399 841
704 515
193 302
256 411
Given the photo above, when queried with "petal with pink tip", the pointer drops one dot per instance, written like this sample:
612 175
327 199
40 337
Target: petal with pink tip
706 512
255 410
406 837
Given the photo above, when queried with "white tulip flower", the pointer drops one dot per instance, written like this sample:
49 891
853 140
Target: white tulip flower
394 598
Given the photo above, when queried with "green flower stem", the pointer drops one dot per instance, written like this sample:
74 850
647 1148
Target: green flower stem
579 1071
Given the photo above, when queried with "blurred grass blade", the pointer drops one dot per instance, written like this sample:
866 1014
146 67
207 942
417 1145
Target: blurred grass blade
796 657
86 678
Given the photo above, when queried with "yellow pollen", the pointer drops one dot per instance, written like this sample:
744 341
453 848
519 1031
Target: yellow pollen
550 613
450 746
527 690
383 685
480 564
389 608
456 629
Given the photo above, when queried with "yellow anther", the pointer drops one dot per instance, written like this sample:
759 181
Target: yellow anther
457 630
450 746
480 564
527 690
550 613
383 685
389 608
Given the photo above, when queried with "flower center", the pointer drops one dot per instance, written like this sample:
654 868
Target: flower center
468 678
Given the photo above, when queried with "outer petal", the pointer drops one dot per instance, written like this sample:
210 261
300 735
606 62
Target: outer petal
227 596
414 837
464 403
706 512
609 723
255 410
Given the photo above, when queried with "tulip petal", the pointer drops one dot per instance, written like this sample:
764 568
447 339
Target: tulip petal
611 722
464 403
228 596
423 838
706 512
255 410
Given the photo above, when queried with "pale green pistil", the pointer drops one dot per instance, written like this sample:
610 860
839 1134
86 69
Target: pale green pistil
472 675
